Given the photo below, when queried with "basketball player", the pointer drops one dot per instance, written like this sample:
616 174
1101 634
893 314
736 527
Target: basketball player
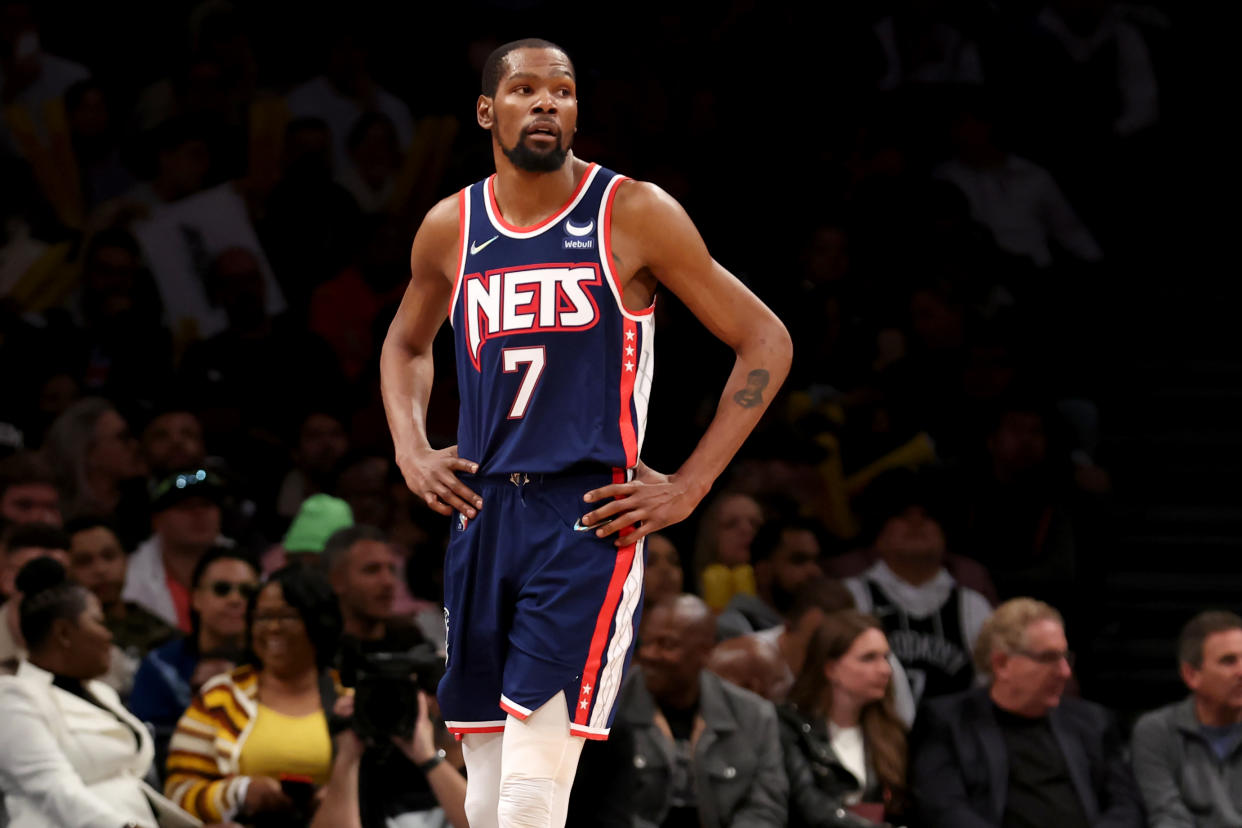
547 271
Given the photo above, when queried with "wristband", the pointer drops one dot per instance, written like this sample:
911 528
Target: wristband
430 764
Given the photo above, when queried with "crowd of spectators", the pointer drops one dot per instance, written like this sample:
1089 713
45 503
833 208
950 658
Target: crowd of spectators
866 622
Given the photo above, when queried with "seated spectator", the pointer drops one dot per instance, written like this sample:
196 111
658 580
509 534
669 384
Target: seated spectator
20 545
343 803
931 621
817 600
1017 752
663 576
72 754
322 443
172 440
784 556
751 663
28 491
223 582
316 520
29 76
344 91
374 161
92 450
97 562
186 515
1015 198
1186 757
722 548
845 747
733 773
246 728
179 163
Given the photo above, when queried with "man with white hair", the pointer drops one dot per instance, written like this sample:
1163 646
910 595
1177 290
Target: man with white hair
1018 753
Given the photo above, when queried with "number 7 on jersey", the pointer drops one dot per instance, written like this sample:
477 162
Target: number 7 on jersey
535 358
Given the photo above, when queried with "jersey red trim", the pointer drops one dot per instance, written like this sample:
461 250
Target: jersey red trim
604 621
606 254
463 231
629 371
513 228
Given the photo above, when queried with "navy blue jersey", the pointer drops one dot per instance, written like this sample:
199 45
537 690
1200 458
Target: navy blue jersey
553 371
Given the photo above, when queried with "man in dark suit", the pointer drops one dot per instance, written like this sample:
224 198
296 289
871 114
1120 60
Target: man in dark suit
1016 754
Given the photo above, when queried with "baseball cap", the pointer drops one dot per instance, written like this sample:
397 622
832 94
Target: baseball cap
318 517
186 484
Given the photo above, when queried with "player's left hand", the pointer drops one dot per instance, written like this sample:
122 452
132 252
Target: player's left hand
648 503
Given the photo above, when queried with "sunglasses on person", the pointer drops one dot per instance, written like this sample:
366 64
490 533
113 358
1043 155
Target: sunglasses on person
223 589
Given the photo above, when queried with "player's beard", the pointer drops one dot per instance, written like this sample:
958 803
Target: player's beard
529 160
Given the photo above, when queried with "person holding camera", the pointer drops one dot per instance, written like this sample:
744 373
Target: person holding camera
378 656
342 801
255 742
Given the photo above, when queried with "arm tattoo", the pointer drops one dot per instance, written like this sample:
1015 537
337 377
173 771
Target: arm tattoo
752 394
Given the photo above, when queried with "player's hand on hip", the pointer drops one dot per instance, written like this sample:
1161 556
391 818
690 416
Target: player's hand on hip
431 474
651 499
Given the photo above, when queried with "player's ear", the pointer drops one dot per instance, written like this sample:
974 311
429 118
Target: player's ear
483 111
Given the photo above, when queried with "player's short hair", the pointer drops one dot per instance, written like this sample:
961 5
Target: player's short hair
1196 631
494 67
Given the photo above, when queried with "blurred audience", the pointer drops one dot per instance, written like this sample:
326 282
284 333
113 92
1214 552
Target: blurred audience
705 752
98 562
172 440
246 728
19 545
663 576
784 555
1186 758
844 745
185 517
722 548
932 622
223 582
28 491
316 520
1018 751
73 754
95 456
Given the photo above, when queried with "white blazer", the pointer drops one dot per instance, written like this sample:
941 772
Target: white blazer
64 763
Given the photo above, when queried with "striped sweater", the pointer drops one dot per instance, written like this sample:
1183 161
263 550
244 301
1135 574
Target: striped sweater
204 756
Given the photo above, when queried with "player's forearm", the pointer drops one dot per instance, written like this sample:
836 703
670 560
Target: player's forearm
405 385
763 360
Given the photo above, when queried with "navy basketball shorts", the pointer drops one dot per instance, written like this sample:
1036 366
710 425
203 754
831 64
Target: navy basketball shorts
535 605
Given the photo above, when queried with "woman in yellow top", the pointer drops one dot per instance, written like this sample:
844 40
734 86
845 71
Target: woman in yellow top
248 729
722 548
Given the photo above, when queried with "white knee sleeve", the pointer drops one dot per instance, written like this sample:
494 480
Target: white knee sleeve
537 768
482 752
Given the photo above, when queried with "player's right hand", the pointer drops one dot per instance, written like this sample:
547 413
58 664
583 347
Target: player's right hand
430 474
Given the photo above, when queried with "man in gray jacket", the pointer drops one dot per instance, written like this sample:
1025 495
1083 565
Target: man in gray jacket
706 753
1188 755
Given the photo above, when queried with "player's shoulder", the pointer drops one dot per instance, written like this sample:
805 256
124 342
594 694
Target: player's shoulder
643 206
445 213
439 231
635 194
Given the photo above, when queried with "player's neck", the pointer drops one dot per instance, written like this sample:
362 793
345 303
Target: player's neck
527 198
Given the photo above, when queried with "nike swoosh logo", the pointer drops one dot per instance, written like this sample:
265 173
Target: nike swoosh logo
578 527
574 230
475 247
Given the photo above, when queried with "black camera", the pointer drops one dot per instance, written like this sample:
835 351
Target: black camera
386 686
